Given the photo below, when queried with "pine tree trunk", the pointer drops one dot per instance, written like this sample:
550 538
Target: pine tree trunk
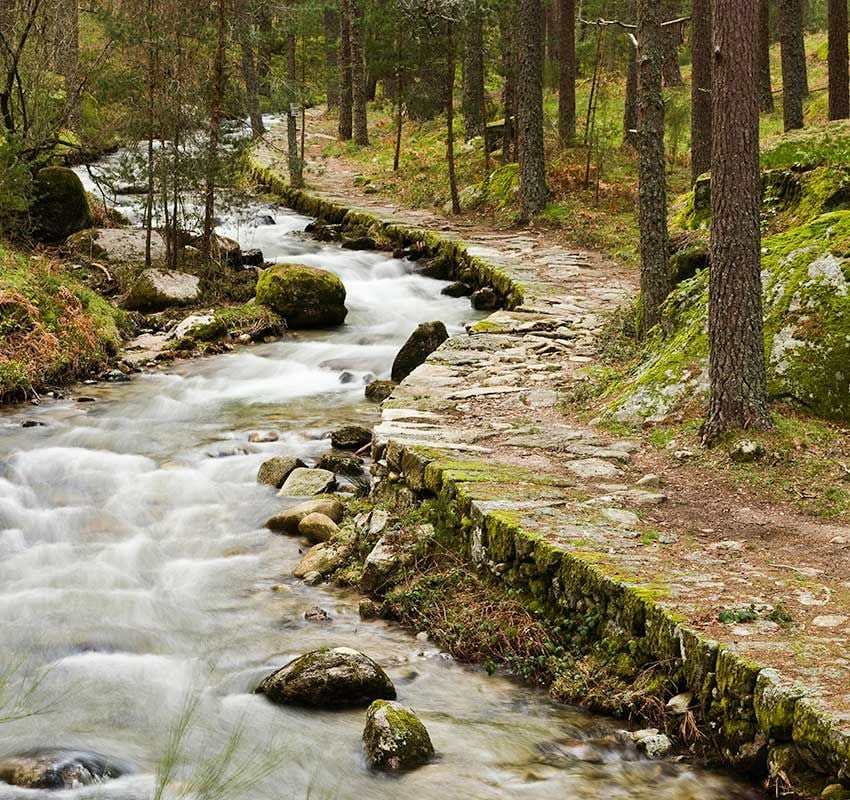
652 166
473 72
331 24
296 168
532 165
793 62
70 61
630 112
738 386
249 71
567 82
358 73
701 43
345 75
839 64
766 104
509 68
216 98
264 60
671 37
450 115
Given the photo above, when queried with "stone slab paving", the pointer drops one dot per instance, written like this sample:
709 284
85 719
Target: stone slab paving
487 407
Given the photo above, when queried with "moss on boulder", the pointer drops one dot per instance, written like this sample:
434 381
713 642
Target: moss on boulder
306 297
157 289
395 738
61 206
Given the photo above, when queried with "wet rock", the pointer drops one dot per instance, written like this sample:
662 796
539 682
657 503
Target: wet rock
275 471
390 555
58 770
395 738
317 614
421 343
378 391
746 451
304 482
369 609
263 438
289 520
485 299
458 289
360 243
32 423
351 437
336 678
158 289
341 465
253 258
115 376
324 558
60 206
346 378
306 297
313 578
654 745
262 220
317 528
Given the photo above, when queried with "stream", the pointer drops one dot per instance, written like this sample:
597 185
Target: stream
141 600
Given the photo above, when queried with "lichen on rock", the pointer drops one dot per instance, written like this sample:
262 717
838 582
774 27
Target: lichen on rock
395 738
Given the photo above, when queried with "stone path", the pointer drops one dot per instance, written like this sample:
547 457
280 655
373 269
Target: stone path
488 405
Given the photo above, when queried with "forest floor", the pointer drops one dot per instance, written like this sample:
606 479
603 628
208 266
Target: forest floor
761 573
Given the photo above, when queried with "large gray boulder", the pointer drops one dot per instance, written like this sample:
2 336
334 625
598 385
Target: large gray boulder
304 482
336 678
421 343
119 245
158 289
289 520
395 738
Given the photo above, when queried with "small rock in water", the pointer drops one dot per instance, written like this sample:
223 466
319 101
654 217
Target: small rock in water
746 451
323 559
378 391
313 578
395 738
347 377
303 482
253 258
85 400
33 423
317 528
289 520
419 345
458 289
369 609
342 465
115 376
485 299
316 614
655 746
336 678
351 437
276 470
262 220
58 770
263 438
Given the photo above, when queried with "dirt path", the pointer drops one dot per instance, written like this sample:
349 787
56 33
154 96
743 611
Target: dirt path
768 583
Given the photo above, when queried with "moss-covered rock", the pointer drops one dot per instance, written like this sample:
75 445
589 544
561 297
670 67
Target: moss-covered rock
158 289
329 679
395 738
306 297
61 206
421 343
378 391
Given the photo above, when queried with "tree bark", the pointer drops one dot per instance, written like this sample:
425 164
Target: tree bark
652 166
532 164
671 37
345 74
701 44
358 73
630 112
296 168
738 385
450 115
331 24
216 98
264 60
509 89
567 76
70 61
839 63
473 72
249 72
793 62
764 78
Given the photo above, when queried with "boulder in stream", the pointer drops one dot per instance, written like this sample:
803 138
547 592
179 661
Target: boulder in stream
306 297
395 738
289 520
317 528
351 437
391 554
378 391
158 289
341 465
116 244
52 769
323 559
304 482
329 678
422 342
275 471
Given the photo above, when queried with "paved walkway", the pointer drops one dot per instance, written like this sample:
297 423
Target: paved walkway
494 397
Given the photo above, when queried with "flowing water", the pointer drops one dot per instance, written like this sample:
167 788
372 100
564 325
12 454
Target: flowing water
141 600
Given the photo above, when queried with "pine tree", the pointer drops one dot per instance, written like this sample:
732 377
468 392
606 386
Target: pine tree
567 74
532 166
839 64
764 78
473 71
793 62
358 73
701 41
346 93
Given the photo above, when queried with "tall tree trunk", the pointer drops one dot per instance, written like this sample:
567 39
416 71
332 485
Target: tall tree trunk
652 166
296 168
345 75
450 115
331 24
358 73
701 44
793 62
630 112
216 97
532 163
738 386
764 78
839 64
473 72
567 77
509 68
249 72
265 32
671 37
69 60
